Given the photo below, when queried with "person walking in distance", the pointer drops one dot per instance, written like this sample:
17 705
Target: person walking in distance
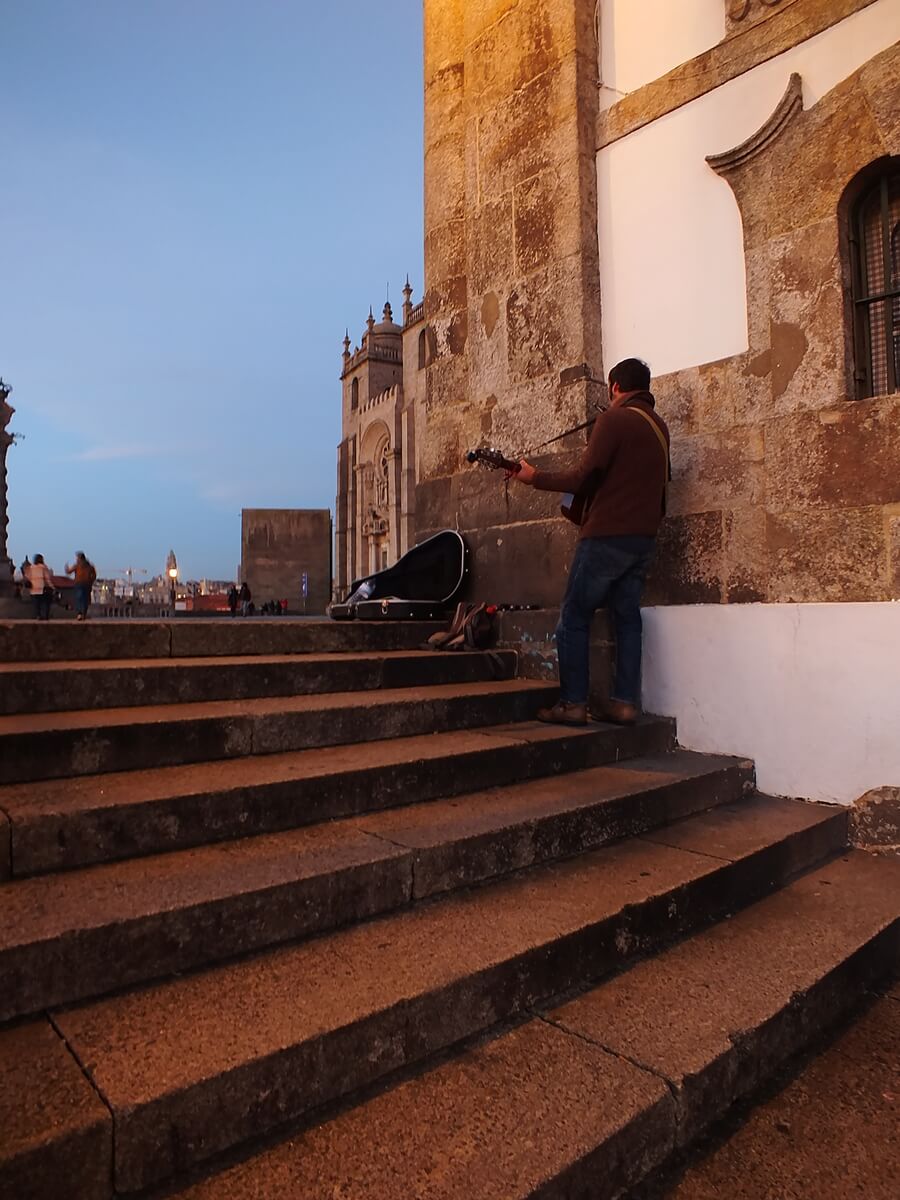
42 587
621 479
244 597
84 575
232 599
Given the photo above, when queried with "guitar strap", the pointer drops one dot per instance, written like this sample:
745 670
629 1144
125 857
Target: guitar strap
660 436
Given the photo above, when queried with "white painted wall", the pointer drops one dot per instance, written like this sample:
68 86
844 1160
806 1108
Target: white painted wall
811 692
671 248
643 39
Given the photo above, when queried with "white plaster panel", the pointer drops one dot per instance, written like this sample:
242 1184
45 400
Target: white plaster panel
640 40
672 265
811 692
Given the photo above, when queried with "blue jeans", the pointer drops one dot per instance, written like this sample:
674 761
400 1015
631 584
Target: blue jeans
82 598
606 572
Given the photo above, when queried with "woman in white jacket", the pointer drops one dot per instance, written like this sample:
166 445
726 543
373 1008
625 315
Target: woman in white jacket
41 579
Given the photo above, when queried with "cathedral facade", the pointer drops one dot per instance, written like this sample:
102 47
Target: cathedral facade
381 381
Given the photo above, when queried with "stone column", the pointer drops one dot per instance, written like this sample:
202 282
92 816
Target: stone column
7 591
512 294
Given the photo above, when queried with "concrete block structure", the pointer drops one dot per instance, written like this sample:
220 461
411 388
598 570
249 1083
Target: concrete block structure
279 546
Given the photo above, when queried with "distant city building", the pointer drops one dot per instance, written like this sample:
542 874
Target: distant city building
376 487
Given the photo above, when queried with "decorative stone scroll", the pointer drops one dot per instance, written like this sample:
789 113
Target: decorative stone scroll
789 106
739 10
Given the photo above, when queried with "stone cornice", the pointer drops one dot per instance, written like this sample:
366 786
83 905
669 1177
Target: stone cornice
790 104
787 27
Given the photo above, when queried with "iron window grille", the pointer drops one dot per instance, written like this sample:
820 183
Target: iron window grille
875 252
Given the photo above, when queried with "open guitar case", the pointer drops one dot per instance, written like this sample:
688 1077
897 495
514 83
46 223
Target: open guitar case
421 586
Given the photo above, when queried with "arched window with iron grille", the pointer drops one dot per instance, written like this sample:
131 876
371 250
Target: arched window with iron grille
875 255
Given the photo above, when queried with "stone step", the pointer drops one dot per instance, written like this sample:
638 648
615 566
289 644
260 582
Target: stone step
83 933
829 1132
59 745
67 641
195 1065
586 1099
65 686
64 823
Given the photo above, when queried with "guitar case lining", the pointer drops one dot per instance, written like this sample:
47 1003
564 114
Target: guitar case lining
420 586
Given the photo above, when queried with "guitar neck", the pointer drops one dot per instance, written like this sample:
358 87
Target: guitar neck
493 459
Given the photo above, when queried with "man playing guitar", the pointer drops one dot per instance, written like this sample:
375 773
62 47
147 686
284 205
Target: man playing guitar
621 479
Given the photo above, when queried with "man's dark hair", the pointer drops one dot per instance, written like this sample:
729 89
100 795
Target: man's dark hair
631 374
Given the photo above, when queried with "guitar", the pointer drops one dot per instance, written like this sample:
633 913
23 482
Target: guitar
571 507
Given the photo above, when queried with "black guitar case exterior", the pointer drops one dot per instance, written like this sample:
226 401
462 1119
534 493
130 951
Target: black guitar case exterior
420 586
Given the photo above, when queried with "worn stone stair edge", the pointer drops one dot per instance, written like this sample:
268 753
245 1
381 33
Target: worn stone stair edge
547 1110
85 828
57 1132
824 1124
57 947
29 641
157 737
51 687
193 1112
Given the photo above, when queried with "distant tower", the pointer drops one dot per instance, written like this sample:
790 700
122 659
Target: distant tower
376 493
407 301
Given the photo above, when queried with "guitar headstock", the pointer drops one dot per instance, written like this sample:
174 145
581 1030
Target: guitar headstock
493 459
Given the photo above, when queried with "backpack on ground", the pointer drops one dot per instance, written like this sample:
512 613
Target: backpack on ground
472 628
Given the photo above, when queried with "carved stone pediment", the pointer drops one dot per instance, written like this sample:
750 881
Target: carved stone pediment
789 106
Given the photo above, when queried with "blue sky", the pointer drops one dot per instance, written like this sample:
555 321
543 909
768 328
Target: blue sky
198 196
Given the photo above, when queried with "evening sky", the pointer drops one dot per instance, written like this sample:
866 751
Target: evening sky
198 196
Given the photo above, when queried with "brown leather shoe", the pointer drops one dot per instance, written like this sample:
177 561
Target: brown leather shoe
564 714
616 712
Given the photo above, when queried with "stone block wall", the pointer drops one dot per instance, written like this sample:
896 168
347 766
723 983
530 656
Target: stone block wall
512 298
787 488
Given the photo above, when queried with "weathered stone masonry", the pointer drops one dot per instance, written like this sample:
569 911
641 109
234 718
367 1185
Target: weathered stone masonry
786 487
511 268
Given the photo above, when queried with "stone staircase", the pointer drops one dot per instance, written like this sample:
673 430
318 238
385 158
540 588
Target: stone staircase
265 933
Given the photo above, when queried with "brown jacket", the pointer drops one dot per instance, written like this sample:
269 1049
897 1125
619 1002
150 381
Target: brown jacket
622 471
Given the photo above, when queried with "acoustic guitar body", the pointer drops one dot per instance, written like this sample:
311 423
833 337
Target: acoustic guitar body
572 508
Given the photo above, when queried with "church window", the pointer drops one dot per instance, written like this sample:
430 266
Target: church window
875 261
382 476
423 351
354 394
